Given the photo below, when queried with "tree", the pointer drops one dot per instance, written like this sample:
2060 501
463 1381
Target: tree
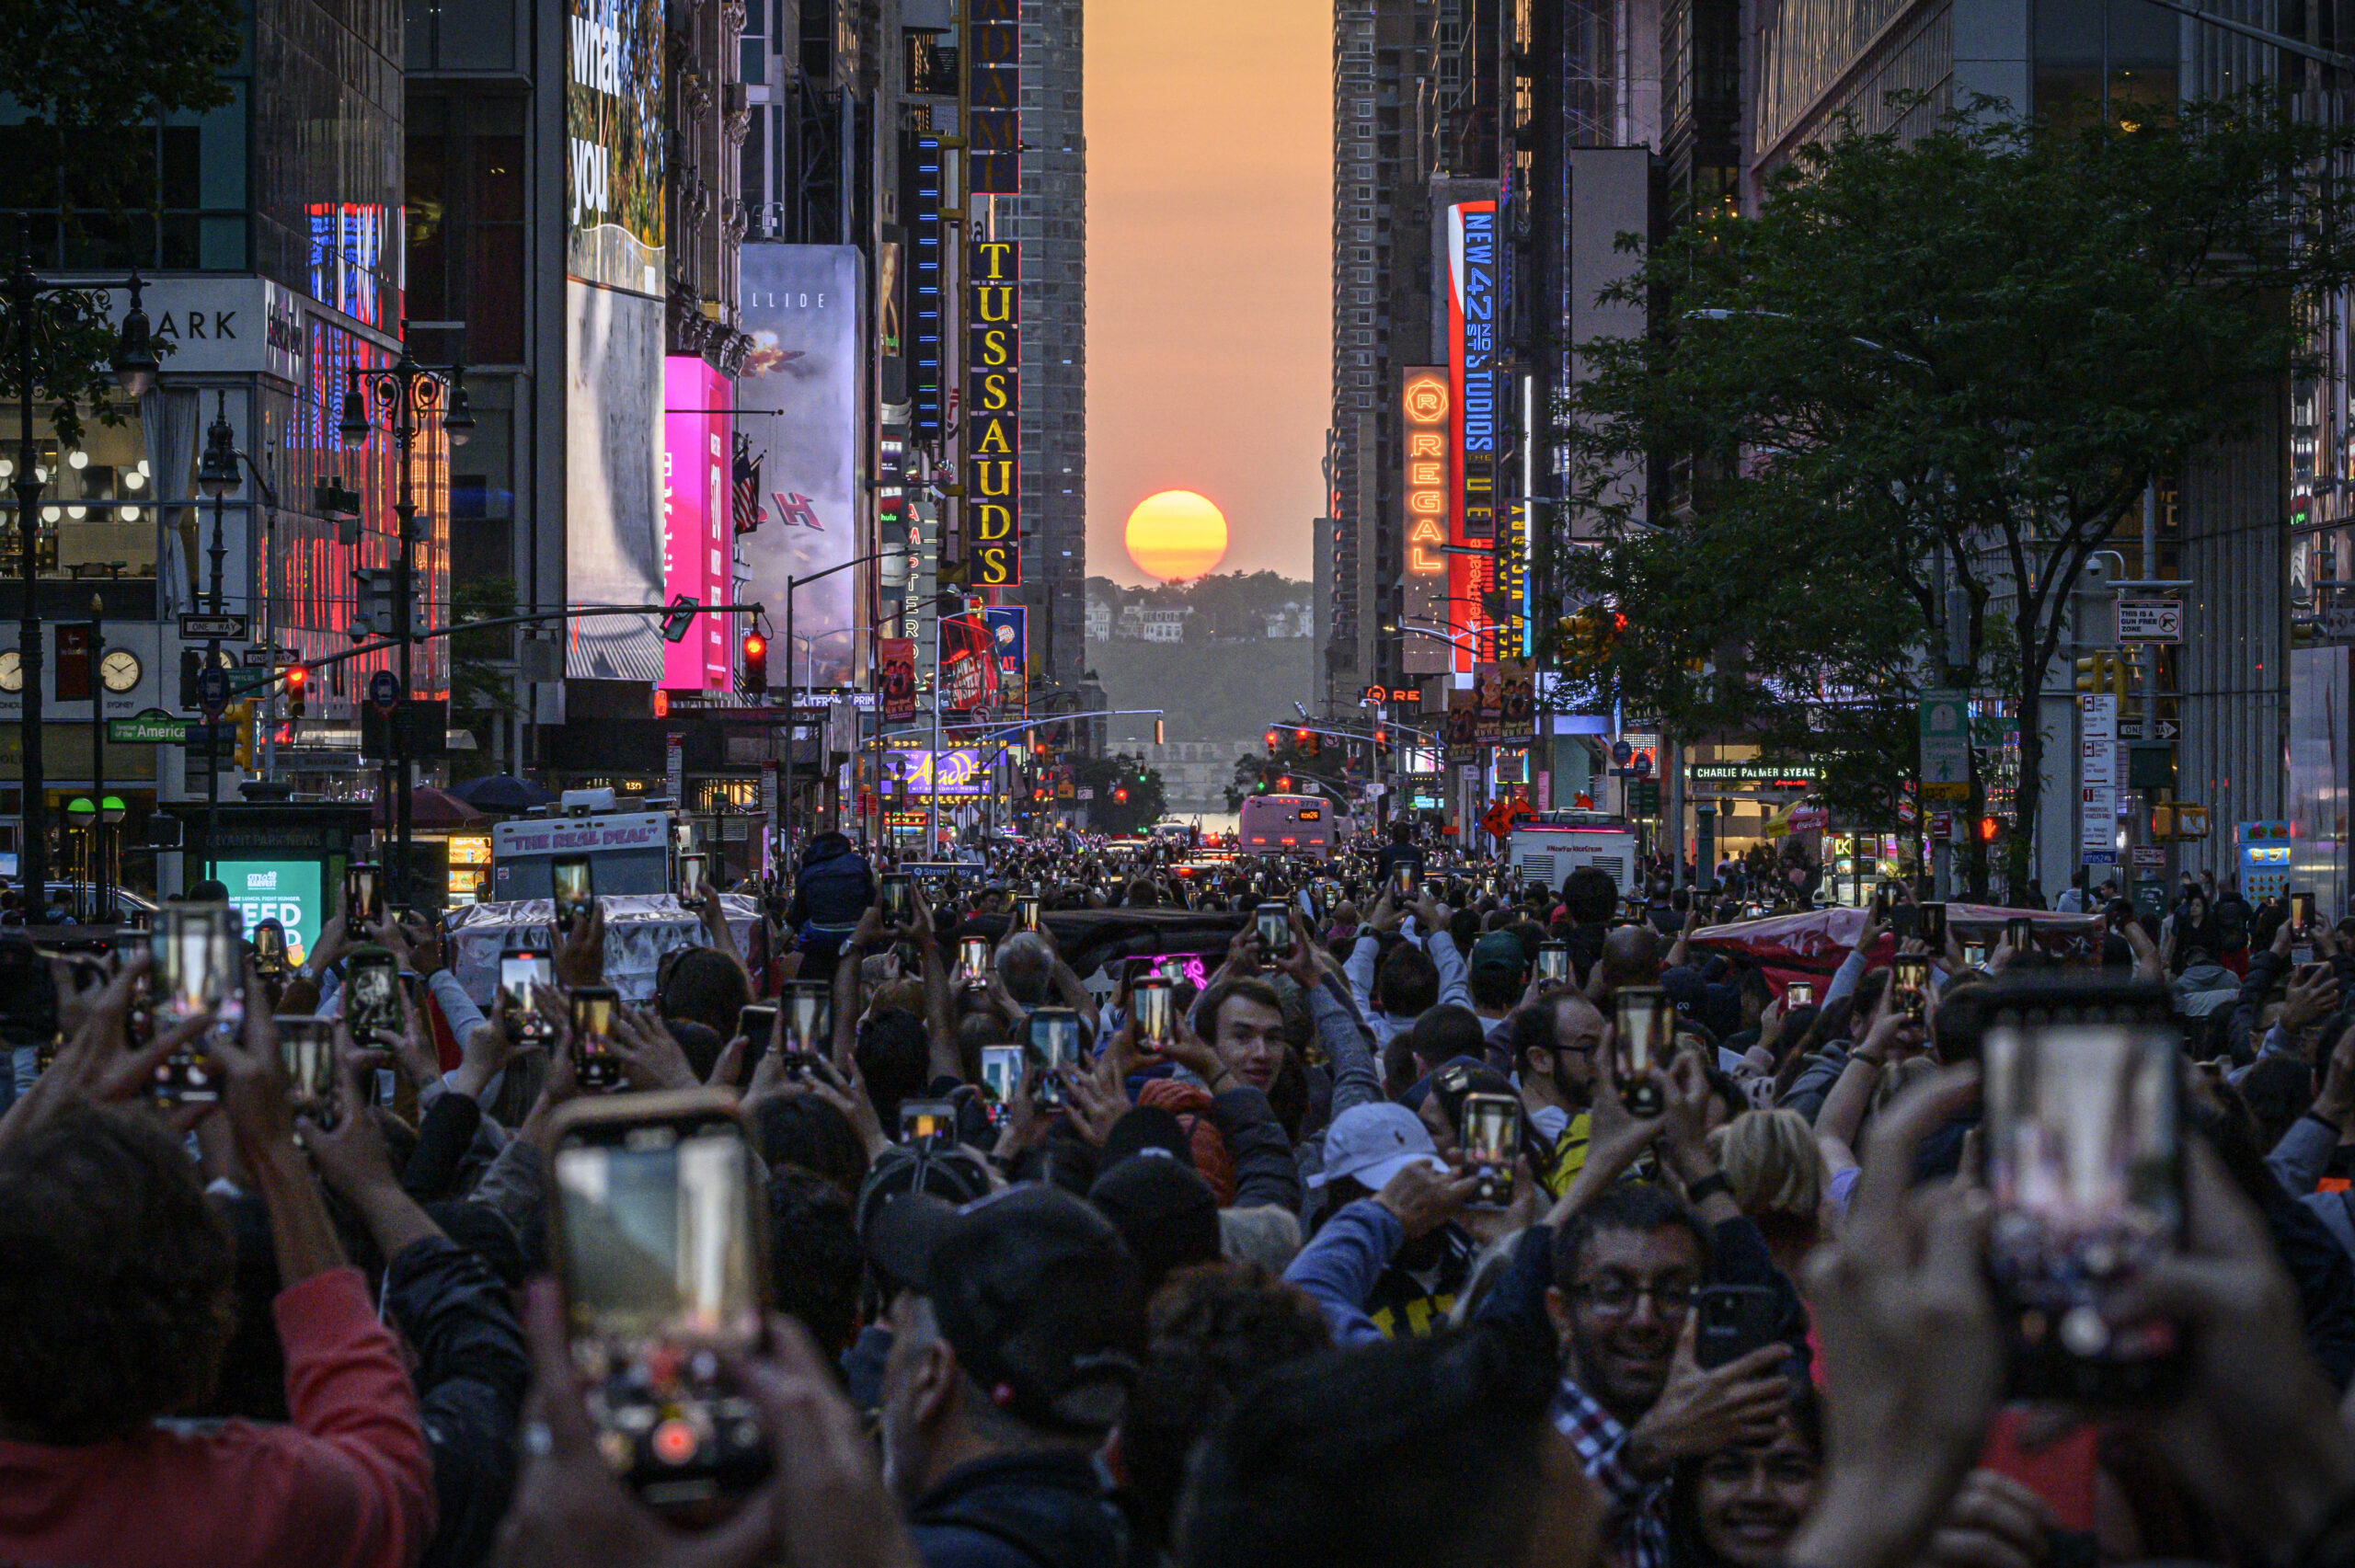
1128 797
1966 354
480 686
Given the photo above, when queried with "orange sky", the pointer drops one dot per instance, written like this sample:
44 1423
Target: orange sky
1209 181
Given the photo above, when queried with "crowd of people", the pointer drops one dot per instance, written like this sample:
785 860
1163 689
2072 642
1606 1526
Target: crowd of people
1249 1286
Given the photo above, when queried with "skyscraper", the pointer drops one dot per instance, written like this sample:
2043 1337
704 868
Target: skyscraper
1051 224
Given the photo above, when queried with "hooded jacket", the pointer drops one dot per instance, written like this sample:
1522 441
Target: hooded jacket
833 889
1036 1510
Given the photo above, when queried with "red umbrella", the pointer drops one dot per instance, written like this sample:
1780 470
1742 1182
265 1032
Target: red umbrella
430 808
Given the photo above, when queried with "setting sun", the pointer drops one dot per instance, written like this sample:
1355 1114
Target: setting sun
1175 535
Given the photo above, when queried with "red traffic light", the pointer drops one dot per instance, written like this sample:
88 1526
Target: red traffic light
1283 783
1120 796
297 674
1274 740
1300 736
756 662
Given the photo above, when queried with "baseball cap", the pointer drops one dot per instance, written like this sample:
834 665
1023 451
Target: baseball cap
1165 1212
1373 1143
1034 1290
1499 950
1146 1129
949 1172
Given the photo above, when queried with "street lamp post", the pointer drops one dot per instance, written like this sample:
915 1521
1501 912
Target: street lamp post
405 395
133 363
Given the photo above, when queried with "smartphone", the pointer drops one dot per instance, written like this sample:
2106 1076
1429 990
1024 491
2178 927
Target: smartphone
1974 954
691 870
270 950
1646 1043
371 984
1402 877
809 1009
658 1223
1731 1320
592 1026
897 896
1798 994
1884 900
1274 931
193 951
576 891
518 973
363 894
1905 919
1554 963
1026 913
1932 926
1054 1046
2082 1152
928 1120
682 836
974 958
306 1049
1488 1132
1909 978
2302 910
2016 934
1154 1003
1002 1071
756 1021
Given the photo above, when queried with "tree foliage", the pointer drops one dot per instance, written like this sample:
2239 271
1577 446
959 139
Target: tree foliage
1110 777
1969 353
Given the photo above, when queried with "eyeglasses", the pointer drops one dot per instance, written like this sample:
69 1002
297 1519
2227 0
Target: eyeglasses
1614 1296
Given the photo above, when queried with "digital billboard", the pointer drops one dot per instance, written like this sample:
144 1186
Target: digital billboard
970 672
1472 376
993 414
1424 406
799 401
695 420
288 891
613 424
613 119
1009 628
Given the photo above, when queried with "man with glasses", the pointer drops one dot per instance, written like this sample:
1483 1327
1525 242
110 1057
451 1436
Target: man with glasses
1553 1044
1634 1401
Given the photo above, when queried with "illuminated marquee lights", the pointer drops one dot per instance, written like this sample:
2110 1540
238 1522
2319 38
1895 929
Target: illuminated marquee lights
1471 371
993 414
1426 405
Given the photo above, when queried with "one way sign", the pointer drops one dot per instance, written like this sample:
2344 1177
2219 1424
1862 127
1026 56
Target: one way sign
2133 729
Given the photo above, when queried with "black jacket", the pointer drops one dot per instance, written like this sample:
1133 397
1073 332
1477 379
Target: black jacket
470 1378
833 889
1040 1510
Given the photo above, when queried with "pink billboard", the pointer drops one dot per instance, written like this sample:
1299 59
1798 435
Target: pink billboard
696 420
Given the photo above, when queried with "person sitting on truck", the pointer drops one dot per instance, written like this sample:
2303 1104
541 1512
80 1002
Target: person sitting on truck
833 889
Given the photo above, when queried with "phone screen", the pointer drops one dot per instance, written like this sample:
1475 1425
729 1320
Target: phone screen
1932 926
897 898
809 1011
1402 877
2082 1149
518 973
574 889
2302 910
1154 1003
373 981
659 1257
1553 962
593 1023
2016 932
362 891
1799 993
1646 1044
691 868
974 956
1490 1131
269 947
306 1048
1002 1071
1026 914
921 1120
1910 974
1275 931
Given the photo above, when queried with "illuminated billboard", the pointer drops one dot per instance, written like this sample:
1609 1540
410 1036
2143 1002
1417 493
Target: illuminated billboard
798 402
695 420
1472 376
993 414
613 120
1424 407
613 480
961 771
993 97
1009 627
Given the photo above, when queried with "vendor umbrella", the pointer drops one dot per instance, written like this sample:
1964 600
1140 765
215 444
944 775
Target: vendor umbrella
500 793
429 808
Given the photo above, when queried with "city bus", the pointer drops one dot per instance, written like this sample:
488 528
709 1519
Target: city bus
1291 824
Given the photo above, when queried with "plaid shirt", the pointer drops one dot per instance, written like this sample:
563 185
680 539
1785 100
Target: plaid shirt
1635 1528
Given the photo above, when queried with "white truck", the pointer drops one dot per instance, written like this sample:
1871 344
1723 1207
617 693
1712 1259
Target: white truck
1546 846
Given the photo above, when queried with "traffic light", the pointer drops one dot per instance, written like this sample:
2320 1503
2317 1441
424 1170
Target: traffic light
1274 740
1120 796
1988 828
1283 783
756 662
679 619
298 683
1158 733
2103 672
241 750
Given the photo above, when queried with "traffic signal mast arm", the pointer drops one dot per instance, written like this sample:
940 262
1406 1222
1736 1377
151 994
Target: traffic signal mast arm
571 612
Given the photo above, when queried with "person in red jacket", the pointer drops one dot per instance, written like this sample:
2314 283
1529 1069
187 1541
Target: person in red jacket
117 1301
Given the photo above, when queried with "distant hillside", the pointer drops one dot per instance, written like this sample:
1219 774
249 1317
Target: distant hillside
1208 691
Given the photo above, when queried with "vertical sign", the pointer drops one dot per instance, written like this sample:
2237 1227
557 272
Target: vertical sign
1946 745
768 815
895 659
74 683
696 558
993 97
675 767
920 215
993 414
2098 779
1424 485
1472 374
1518 642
